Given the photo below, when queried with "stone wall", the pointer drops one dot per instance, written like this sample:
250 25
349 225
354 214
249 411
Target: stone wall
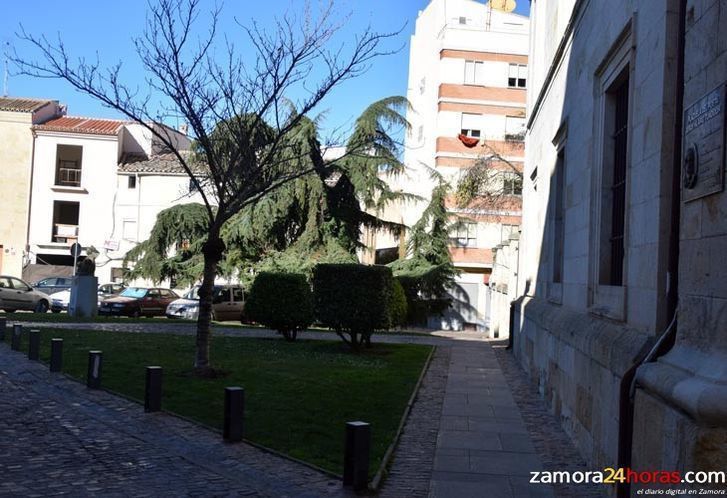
681 402
578 362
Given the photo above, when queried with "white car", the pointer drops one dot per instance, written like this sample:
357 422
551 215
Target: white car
18 295
59 300
228 303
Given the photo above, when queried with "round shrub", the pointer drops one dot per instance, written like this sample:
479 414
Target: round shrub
281 301
353 299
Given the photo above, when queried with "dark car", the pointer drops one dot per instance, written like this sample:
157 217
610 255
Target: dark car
138 301
51 285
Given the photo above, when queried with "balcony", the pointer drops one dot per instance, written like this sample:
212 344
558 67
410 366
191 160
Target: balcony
69 177
65 234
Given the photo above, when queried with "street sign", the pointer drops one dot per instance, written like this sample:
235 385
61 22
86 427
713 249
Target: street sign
76 249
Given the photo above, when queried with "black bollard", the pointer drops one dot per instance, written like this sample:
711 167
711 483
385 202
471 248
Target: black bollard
234 412
153 394
356 455
56 355
17 337
93 376
34 345
3 324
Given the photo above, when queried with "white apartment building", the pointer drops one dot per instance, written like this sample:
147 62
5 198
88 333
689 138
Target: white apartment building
467 83
85 190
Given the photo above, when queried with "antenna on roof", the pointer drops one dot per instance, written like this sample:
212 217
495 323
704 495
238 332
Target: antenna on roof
5 72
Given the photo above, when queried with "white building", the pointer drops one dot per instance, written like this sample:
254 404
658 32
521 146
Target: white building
467 80
81 193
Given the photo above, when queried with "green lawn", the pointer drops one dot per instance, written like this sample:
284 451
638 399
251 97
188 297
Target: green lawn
298 395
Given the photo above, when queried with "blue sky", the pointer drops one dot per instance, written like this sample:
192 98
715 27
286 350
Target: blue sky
88 27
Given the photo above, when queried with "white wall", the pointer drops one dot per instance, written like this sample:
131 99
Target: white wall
95 196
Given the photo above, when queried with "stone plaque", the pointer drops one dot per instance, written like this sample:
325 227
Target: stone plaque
703 163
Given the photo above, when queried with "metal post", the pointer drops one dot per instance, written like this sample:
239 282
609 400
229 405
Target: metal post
93 377
3 324
234 412
153 393
56 355
34 345
17 337
356 455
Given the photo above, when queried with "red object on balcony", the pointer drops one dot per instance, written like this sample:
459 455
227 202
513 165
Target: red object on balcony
468 141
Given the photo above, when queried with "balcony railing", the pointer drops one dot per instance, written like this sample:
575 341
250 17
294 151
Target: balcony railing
63 233
69 177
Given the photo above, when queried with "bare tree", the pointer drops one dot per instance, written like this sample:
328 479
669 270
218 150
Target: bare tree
493 183
239 110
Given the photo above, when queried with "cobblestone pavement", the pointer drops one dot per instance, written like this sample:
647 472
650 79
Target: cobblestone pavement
411 471
57 437
551 442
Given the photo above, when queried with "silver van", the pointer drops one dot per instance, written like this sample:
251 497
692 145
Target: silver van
228 303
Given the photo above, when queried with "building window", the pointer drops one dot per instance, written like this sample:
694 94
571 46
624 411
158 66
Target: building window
615 166
514 128
420 133
117 275
128 230
68 165
465 234
422 85
507 231
517 76
462 20
558 196
474 73
131 182
65 222
512 184
471 125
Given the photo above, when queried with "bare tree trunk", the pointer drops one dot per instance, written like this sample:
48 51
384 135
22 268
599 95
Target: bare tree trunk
212 251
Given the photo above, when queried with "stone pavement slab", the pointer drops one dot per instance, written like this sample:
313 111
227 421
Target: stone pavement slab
483 447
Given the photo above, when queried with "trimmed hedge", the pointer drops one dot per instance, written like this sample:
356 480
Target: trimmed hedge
399 305
353 299
281 301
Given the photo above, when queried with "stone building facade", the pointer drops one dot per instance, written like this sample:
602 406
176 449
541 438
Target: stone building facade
17 116
621 290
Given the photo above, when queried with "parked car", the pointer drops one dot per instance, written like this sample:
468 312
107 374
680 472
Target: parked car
228 303
52 285
59 300
15 294
138 301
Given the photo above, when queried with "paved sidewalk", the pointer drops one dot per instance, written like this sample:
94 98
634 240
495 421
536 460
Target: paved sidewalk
483 447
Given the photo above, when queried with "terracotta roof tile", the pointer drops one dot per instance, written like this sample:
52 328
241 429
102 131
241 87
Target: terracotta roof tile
86 126
160 163
20 104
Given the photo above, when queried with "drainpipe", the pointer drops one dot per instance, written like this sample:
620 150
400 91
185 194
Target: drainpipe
30 191
667 339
